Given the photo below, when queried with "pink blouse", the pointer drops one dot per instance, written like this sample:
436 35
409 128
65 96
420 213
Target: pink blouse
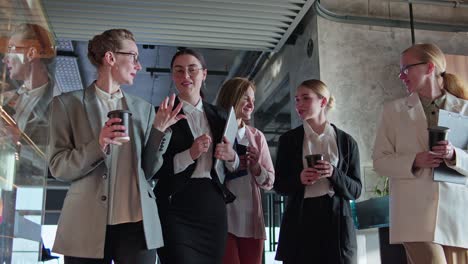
245 214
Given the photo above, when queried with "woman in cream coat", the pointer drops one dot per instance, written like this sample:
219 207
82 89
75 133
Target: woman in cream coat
428 217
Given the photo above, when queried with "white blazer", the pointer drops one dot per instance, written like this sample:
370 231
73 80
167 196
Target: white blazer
421 210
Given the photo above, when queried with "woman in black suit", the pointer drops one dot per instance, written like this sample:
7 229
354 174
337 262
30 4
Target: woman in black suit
317 226
190 194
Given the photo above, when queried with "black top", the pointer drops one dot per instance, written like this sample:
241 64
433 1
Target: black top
181 140
346 182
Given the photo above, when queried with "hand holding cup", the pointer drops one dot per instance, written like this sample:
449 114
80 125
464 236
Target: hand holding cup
253 156
111 130
324 168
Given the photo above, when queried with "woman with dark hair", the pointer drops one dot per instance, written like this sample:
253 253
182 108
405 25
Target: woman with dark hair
428 217
109 213
317 226
246 227
191 198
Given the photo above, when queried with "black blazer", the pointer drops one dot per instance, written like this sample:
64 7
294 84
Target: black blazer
182 139
346 182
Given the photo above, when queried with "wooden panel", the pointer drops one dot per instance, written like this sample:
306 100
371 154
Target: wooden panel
458 64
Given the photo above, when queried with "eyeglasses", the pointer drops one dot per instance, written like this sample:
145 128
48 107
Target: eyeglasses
135 56
191 70
405 69
14 49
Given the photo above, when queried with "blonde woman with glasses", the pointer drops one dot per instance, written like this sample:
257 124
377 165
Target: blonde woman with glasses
428 217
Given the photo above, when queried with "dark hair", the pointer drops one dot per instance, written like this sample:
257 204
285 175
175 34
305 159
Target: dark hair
191 52
232 91
109 40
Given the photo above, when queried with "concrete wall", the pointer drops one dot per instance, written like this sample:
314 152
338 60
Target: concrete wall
360 64
399 9
291 62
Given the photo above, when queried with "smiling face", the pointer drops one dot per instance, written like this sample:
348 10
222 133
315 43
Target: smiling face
15 60
245 106
125 66
308 104
188 76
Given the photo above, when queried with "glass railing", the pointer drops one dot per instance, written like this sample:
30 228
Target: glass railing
27 50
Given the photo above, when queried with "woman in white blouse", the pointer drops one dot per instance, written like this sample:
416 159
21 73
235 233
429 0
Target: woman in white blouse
246 227
317 226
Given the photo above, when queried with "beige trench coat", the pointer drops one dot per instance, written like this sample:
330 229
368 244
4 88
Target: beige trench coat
420 209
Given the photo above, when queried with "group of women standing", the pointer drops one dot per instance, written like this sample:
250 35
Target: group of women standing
205 220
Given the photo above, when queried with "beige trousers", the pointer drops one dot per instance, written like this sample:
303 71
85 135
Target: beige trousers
431 253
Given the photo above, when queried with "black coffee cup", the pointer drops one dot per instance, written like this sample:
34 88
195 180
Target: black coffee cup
124 115
437 134
312 159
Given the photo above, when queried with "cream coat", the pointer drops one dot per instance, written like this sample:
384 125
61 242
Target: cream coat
420 209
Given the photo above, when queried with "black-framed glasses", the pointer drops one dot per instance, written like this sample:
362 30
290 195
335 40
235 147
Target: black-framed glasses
135 56
405 69
14 49
191 70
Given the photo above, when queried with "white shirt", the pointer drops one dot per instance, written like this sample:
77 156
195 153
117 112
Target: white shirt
241 225
325 144
124 197
26 101
196 119
198 124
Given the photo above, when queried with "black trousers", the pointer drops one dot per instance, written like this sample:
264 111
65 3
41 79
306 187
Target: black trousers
194 225
125 244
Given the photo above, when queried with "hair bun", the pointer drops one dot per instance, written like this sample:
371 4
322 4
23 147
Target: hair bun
331 102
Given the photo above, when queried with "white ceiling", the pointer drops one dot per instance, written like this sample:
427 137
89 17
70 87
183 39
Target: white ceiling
256 25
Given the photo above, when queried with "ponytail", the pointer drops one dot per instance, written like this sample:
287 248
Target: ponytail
455 85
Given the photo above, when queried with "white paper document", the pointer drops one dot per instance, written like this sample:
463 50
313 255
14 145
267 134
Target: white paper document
230 132
458 136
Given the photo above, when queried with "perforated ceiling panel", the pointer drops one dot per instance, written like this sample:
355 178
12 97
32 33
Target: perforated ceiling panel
262 25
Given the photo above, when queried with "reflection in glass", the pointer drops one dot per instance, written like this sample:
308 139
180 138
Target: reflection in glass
26 89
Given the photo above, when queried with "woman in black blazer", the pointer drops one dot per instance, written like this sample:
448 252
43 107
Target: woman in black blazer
190 196
317 226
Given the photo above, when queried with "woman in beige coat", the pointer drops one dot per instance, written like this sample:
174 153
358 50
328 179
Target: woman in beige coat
428 217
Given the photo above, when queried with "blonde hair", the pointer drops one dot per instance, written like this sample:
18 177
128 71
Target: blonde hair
109 40
321 89
232 91
40 38
428 52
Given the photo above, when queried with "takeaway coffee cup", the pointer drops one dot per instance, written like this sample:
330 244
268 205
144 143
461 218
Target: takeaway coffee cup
124 115
312 159
437 134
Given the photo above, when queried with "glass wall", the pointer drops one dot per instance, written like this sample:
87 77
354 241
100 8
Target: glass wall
28 53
